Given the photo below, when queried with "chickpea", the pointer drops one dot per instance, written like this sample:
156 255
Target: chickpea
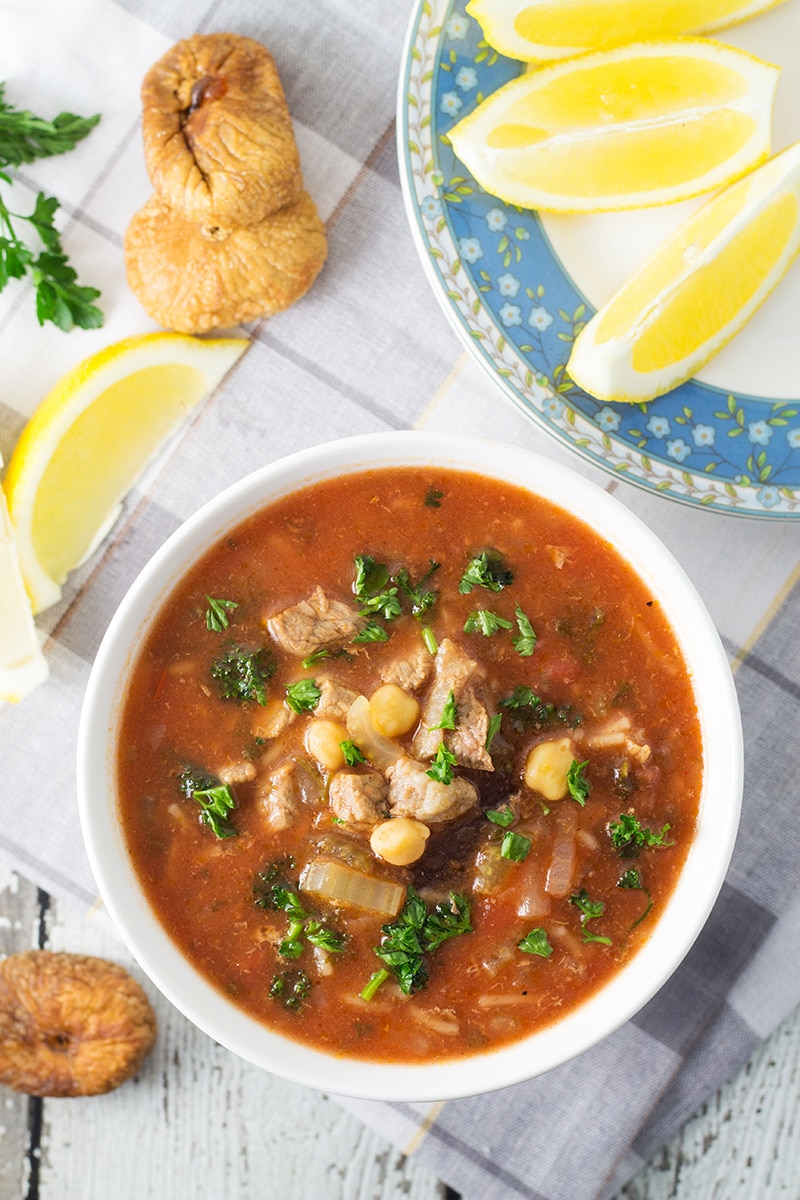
400 840
393 711
546 768
323 740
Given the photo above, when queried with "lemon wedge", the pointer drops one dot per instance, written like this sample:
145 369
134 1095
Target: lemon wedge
22 664
625 128
90 439
541 30
696 291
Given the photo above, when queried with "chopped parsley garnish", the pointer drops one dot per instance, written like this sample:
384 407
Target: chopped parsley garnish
216 800
515 846
433 498
415 934
371 591
485 570
429 638
494 728
501 816
441 768
292 988
303 696
632 881
316 657
372 632
525 641
449 714
530 706
628 835
270 890
374 982
422 598
590 910
352 754
481 620
243 674
536 942
579 787
217 619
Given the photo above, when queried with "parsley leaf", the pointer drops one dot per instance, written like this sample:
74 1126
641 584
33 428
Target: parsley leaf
501 816
530 706
579 787
371 591
243 674
422 598
449 714
25 137
494 728
315 657
415 934
372 632
485 570
272 891
217 618
215 799
352 754
628 835
525 641
481 620
433 498
441 768
632 880
590 910
536 942
303 696
515 846
291 988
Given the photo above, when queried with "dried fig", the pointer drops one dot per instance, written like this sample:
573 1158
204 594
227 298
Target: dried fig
70 1025
193 280
218 139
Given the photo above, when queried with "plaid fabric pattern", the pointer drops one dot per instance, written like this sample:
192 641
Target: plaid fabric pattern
369 349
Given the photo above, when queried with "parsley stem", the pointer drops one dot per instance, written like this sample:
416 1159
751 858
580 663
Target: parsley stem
375 981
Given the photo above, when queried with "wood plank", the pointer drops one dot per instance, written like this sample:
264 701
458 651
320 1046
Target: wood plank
198 1121
19 930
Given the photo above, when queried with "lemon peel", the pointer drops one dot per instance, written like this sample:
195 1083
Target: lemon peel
89 441
631 127
22 664
544 30
696 291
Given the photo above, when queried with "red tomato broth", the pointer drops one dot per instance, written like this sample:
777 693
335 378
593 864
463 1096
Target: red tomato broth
604 647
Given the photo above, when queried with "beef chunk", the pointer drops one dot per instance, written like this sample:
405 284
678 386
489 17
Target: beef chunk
358 799
456 672
412 793
410 672
280 798
240 772
313 623
335 699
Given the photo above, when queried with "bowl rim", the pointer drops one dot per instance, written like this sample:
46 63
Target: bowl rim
672 935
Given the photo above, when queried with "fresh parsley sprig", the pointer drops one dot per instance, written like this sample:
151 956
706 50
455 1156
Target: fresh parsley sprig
215 798
632 880
303 696
577 784
243 674
590 910
59 298
217 619
485 570
441 768
482 620
536 942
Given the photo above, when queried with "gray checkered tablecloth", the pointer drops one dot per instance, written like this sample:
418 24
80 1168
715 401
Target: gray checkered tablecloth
369 349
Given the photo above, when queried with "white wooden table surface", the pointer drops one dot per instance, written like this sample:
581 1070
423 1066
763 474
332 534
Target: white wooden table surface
199 1123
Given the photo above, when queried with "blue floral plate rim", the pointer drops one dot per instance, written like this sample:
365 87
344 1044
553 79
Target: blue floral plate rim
699 445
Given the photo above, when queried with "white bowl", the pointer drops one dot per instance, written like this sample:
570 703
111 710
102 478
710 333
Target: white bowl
682 918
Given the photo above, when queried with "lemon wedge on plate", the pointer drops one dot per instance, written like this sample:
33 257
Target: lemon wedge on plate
635 126
538 30
696 291
90 439
22 664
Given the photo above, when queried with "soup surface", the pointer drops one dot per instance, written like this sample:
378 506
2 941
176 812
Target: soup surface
409 764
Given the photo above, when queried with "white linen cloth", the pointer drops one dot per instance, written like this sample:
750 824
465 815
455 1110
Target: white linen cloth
370 349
